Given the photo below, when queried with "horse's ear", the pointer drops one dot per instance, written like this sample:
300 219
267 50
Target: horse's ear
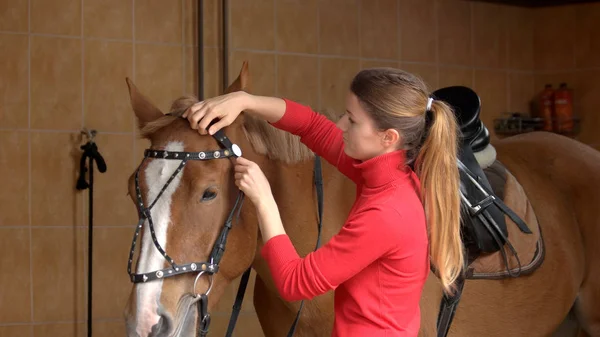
242 81
144 110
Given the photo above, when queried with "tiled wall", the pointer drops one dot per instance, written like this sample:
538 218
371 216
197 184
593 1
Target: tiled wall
569 51
62 67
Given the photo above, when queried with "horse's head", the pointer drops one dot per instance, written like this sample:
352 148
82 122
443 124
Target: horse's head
185 193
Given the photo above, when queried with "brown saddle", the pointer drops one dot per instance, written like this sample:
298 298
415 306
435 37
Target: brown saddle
523 253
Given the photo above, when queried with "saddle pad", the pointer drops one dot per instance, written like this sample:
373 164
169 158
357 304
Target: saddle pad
529 247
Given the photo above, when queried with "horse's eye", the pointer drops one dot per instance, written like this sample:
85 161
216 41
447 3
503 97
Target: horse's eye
209 194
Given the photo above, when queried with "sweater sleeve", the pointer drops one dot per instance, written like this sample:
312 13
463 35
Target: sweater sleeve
319 134
361 241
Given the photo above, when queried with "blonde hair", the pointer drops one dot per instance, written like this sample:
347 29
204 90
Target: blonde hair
398 100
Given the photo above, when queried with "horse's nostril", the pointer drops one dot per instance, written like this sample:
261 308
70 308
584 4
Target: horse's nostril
163 327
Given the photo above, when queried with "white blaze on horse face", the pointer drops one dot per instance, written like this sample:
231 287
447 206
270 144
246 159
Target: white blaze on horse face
156 174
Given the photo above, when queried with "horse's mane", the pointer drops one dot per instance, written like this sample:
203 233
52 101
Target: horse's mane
263 137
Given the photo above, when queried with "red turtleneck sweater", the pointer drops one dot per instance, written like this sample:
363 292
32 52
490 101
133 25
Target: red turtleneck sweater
378 262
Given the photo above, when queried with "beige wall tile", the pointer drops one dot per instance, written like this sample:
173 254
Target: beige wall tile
450 76
585 88
587 36
60 329
14 178
58 274
211 22
55 83
338 27
159 21
379 29
429 73
140 145
553 39
16 330
520 25
161 84
108 328
14 81
418 30
364 64
110 190
336 75
190 72
54 172
521 91
298 79
489 35
213 84
56 17
106 65
454 39
252 24
108 19
297 26
190 21
16 297
491 87
14 16
262 71
111 282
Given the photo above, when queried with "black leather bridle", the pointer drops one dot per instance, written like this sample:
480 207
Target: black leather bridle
211 266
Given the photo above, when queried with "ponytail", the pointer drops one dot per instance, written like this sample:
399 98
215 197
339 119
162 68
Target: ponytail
436 166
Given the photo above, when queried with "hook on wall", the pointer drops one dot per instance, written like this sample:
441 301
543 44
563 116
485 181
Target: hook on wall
90 134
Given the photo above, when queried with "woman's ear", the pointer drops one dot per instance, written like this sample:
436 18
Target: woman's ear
390 138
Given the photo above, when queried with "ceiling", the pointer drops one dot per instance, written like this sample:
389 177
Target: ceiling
537 3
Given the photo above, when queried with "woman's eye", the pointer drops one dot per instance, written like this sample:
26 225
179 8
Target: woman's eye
209 195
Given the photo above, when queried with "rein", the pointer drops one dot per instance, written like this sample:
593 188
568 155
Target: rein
211 266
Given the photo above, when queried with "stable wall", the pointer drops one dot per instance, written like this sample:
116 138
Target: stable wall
63 64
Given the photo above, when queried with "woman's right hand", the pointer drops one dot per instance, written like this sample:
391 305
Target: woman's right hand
225 107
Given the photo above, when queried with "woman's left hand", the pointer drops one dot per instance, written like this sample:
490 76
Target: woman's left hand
252 181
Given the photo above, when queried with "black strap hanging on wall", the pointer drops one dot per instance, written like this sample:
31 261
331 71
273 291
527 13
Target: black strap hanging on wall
90 152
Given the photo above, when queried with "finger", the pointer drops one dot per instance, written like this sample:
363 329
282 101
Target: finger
240 168
211 114
197 116
193 109
219 125
242 161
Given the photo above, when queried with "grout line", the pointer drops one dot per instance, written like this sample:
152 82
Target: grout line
472 42
359 35
29 187
319 95
275 47
399 32
86 266
32 324
133 77
344 57
183 51
93 38
62 131
64 226
436 17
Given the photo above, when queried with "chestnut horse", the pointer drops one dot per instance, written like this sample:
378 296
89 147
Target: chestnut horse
560 176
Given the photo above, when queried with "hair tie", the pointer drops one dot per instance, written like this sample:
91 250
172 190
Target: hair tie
429 102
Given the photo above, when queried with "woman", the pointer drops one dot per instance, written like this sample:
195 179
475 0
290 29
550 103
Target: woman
380 259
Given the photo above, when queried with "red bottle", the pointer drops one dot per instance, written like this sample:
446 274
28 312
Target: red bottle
546 106
563 109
